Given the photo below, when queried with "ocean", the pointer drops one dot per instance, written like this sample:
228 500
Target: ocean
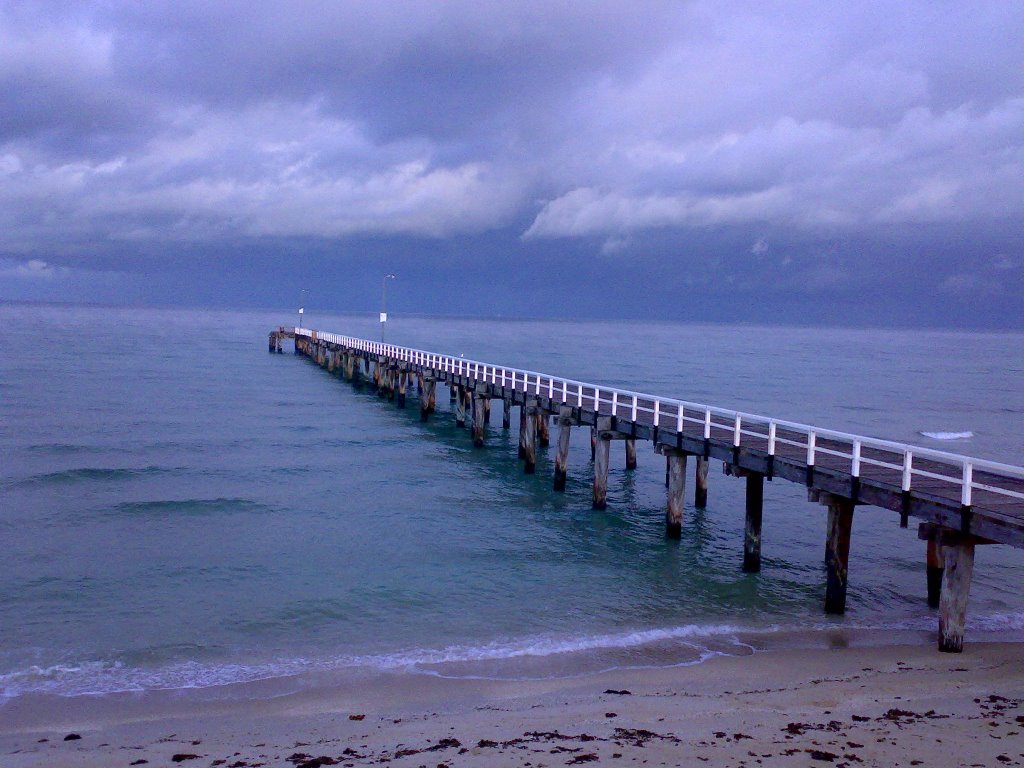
180 509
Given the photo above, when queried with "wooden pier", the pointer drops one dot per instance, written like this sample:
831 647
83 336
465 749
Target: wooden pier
958 501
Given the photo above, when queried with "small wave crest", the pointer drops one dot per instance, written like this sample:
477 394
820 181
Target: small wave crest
188 506
87 474
523 659
528 658
948 435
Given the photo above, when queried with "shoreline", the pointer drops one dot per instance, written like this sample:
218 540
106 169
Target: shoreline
527 659
797 706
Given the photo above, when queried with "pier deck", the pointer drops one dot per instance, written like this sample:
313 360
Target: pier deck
959 501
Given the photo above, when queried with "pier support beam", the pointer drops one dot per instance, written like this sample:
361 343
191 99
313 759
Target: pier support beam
837 551
700 491
593 442
460 408
506 413
630 454
543 429
935 565
528 438
427 398
403 384
602 449
676 500
752 531
956 584
562 451
479 420
452 393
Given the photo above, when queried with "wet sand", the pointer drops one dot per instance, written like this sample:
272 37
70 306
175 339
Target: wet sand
870 706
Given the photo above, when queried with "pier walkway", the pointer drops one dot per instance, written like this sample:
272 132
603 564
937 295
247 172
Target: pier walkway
959 501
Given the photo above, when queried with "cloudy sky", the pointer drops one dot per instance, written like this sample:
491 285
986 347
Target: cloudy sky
853 163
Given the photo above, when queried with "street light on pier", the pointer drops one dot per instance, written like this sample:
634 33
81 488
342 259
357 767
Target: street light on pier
384 303
302 302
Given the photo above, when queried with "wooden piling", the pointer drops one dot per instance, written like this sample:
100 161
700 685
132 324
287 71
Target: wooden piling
522 431
700 492
562 451
630 454
752 532
452 392
956 584
837 548
593 442
427 398
602 449
543 431
460 409
403 383
529 440
935 565
676 501
506 413
479 420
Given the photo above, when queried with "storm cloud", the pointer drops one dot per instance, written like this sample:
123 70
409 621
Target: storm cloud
825 148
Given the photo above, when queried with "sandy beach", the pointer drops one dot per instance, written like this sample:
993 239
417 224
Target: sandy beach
880 706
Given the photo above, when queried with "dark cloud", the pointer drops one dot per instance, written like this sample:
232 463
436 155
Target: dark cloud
797 148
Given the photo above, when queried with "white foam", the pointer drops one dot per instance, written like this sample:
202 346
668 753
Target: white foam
948 435
704 641
103 677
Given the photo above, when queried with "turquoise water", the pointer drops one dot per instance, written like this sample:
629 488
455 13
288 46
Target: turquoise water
181 509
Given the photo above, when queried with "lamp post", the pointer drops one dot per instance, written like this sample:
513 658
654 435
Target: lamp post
384 303
302 301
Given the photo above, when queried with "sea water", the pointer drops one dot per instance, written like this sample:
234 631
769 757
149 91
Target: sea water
181 509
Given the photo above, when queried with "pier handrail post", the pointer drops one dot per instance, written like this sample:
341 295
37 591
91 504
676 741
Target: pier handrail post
967 484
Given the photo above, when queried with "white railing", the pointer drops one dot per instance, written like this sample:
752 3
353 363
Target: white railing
672 414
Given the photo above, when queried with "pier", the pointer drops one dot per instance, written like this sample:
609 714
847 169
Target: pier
958 502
